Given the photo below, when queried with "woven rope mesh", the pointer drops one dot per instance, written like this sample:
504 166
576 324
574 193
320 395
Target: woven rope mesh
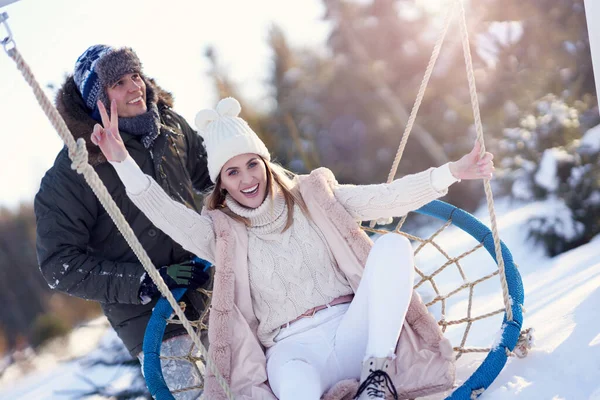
191 354
457 280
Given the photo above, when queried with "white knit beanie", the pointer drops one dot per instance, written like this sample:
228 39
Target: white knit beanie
226 135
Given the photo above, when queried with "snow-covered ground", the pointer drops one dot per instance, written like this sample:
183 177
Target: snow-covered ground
63 370
561 301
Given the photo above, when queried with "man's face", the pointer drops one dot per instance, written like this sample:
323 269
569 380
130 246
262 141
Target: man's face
130 94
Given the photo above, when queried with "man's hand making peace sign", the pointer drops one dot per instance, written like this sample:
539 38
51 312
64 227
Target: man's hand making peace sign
107 137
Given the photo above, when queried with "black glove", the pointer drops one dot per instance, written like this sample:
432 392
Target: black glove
191 275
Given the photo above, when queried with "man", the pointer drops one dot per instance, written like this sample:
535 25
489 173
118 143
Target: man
80 251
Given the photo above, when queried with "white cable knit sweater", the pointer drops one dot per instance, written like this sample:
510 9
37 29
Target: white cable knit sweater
293 271
289 272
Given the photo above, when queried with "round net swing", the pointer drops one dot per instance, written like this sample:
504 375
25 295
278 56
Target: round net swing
504 307
510 339
458 222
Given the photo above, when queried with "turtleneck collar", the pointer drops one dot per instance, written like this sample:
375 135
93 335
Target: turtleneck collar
269 217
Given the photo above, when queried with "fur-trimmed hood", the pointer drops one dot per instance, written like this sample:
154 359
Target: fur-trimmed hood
77 116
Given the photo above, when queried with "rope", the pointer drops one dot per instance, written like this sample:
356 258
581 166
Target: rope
469 319
421 94
175 391
486 183
78 153
417 104
479 129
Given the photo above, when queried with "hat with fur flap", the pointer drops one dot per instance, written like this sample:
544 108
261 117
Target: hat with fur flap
99 67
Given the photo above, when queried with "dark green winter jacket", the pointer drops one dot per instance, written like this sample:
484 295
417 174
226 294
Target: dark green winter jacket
80 251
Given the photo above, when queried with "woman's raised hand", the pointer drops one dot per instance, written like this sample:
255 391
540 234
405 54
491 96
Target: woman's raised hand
107 137
472 166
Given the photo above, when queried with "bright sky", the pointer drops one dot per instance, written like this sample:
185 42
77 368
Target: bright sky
169 38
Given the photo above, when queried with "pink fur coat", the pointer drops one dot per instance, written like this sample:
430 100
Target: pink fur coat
424 363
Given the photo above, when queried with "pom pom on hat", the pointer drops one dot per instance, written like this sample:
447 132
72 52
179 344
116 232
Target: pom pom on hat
229 107
226 135
205 117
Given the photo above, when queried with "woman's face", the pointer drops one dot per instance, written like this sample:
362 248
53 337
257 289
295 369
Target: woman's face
245 179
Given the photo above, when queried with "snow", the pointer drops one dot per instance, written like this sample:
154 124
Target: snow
591 140
561 298
546 175
553 216
60 371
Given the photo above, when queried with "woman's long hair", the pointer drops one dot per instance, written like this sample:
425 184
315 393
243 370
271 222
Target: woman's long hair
277 176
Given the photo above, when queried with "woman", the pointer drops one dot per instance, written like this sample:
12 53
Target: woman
291 302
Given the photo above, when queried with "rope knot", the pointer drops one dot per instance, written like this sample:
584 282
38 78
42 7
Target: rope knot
385 221
525 343
476 393
79 156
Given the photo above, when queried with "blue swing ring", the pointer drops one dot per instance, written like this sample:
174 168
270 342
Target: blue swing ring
155 331
490 368
482 378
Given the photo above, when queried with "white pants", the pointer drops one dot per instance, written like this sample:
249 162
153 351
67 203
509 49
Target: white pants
312 354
